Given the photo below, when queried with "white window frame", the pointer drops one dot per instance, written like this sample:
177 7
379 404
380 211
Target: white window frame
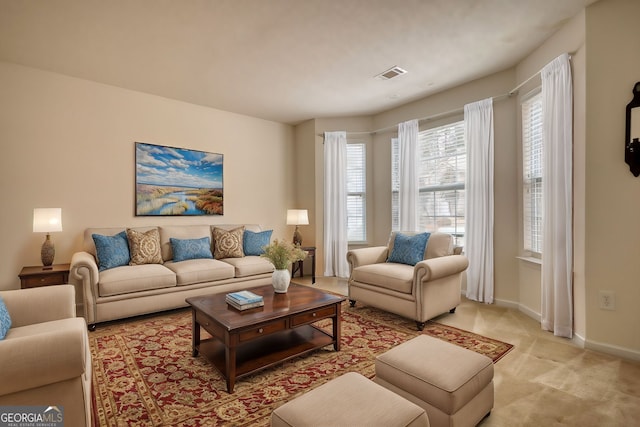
532 173
432 164
356 192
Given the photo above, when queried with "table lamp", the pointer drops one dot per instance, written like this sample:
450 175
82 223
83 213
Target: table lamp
297 217
47 220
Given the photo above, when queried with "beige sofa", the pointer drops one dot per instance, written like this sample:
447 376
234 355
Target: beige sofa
419 292
45 358
132 290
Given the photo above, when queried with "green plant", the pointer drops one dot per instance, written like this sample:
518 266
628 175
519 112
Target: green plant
282 253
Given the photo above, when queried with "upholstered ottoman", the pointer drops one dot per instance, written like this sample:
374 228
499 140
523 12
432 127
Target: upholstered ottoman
454 385
349 400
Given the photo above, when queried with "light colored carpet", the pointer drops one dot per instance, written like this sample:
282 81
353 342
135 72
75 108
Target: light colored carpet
545 380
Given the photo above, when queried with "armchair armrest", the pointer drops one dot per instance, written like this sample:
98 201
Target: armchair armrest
56 354
436 268
365 256
42 304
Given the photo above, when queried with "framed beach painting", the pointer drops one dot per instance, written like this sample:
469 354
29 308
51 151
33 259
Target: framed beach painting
174 181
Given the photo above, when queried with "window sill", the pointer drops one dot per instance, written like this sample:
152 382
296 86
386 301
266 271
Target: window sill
530 259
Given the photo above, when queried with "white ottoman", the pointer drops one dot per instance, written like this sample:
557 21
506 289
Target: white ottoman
454 385
350 400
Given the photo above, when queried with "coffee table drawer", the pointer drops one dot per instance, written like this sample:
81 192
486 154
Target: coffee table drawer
264 329
312 316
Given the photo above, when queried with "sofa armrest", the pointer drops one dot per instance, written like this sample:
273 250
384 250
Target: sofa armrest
84 274
41 304
365 256
436 268
37 360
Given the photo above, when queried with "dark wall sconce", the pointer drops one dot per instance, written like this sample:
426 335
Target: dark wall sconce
632 133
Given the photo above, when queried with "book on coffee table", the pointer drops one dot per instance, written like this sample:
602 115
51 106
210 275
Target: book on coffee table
244 297
245 306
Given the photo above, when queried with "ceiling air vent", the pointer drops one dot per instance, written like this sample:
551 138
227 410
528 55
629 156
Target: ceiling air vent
391 73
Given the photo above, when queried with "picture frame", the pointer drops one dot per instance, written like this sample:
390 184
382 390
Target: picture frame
172 181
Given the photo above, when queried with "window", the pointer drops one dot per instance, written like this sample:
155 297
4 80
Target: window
532 150
441 174
356 192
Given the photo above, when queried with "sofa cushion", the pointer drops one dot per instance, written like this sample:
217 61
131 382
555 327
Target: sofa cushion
184 249
408 249
111 251
135 278
227 243
389 275
249 265
5 319
253 243
144 247
199 270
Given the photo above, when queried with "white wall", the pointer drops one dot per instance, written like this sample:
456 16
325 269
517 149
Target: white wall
612 192
69 143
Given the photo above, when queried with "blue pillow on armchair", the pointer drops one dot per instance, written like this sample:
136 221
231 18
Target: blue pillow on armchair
5 319
253 242
408 249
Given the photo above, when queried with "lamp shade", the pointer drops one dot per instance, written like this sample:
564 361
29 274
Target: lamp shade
46 220
297 217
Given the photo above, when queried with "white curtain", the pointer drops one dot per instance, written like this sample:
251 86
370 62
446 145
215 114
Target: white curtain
335 204
478 120
408 176
557 229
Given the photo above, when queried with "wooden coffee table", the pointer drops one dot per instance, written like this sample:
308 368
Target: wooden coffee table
246 341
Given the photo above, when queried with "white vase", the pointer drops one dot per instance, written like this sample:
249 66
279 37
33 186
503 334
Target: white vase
280 280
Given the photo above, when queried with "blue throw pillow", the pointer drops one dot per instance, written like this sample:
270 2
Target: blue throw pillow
184 249
5 319
408 249
252 242
111 251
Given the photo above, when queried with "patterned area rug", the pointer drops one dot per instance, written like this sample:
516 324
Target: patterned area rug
144 374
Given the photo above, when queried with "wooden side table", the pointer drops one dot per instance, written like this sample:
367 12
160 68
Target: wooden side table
34 276
298 266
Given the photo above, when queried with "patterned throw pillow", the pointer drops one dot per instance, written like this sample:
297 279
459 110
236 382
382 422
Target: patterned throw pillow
184 249
252 242
227 244
144 247
111 251
5 319
408 249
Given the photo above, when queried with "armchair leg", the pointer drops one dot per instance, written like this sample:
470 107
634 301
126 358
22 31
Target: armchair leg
91 327
352 303
453 310
420 325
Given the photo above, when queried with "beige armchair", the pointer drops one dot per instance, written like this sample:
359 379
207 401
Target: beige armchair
45 358
421 292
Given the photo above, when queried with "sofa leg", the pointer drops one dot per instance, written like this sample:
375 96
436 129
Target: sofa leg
420 325
453 310
352 303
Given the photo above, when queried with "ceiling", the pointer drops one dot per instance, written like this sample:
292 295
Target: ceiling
281 60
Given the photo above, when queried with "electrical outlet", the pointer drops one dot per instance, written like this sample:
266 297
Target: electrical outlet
607 300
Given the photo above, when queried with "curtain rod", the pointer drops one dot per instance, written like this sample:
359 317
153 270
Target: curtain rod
425 119
507 95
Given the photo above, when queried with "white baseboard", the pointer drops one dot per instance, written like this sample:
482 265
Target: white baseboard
614 350
578 340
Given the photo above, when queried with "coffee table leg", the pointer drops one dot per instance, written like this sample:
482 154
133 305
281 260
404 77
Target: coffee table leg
195 334
230 361
336 329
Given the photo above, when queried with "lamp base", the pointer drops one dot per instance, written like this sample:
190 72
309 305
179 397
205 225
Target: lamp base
48 251
297 237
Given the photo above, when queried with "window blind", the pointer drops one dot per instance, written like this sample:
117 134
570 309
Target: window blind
356 192
532 150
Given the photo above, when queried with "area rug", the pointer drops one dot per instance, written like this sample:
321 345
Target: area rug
144 373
